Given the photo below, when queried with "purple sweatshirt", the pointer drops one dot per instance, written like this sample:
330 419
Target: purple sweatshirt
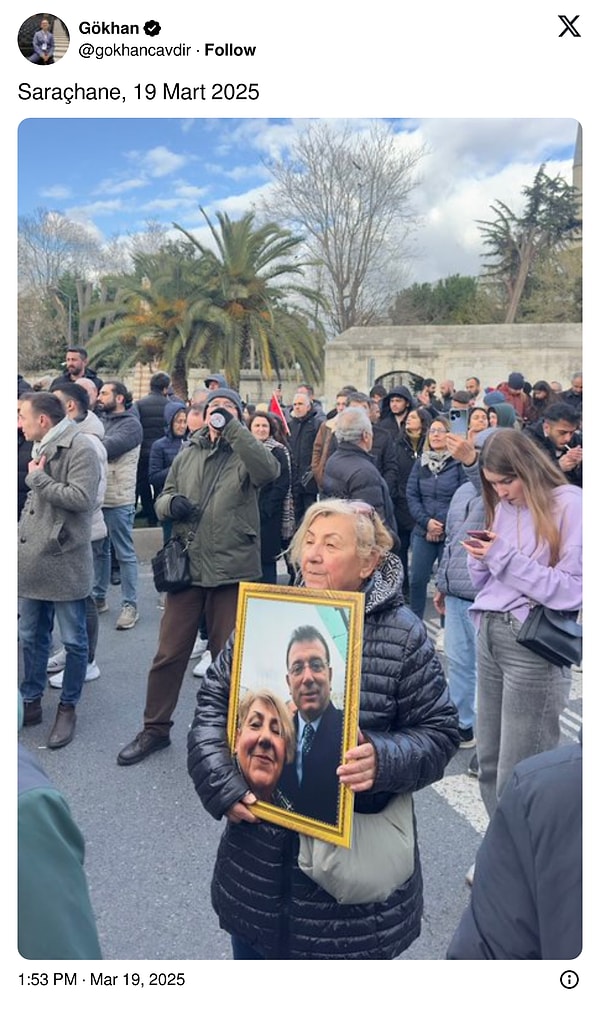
515 571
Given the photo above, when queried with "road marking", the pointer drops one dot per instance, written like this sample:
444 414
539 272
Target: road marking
461 792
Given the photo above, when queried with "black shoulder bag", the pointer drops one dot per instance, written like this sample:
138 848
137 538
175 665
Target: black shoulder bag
553 634
171 564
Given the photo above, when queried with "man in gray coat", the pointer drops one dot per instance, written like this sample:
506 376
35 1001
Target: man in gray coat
55 555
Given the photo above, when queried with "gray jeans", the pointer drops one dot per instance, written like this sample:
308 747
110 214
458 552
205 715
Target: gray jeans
519 700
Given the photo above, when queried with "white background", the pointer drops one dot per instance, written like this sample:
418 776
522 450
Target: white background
344 60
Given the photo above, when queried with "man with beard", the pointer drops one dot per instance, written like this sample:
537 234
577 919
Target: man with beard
122 440
76 366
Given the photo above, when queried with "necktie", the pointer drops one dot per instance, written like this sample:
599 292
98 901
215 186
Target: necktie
307 738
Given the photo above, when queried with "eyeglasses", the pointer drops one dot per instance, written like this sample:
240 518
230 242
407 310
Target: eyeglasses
438 431
315 665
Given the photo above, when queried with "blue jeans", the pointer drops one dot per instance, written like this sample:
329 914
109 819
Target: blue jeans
119 523
519 700
35 633
461 655
424 556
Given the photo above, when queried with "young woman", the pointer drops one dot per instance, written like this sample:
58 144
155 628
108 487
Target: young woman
271 498
409 446
478 421
530 553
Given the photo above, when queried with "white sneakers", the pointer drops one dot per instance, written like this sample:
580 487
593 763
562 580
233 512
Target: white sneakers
201 667
56 663
200 646
92 673
128 617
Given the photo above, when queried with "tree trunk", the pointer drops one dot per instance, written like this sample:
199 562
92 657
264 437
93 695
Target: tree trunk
520 281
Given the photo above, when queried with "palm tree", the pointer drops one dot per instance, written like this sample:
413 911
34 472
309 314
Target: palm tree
148 320
186 306
248 294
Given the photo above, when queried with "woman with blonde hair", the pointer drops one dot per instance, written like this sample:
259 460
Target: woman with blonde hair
265 742
530 553
408 731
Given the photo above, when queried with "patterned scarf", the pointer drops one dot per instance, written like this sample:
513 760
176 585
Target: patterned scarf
435 459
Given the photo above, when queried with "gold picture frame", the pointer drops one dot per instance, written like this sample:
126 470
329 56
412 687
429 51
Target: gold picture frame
324 630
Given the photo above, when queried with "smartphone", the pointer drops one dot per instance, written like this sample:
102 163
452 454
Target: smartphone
458 421
479 534
472 543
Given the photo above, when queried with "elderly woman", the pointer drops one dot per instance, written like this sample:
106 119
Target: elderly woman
408 731
265 742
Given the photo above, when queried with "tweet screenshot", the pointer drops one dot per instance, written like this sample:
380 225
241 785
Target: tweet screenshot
298 297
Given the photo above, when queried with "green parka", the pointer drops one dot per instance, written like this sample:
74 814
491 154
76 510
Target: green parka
226 546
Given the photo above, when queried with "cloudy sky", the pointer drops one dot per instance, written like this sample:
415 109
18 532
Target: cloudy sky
115 175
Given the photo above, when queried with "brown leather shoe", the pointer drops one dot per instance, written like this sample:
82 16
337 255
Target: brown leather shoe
63 730
144 744
32 712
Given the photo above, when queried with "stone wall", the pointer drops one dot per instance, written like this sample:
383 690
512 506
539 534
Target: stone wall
362 354
551 351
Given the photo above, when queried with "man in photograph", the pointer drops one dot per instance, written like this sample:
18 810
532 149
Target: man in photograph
310 781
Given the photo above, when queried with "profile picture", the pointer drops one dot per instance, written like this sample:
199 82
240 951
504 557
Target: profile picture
43 39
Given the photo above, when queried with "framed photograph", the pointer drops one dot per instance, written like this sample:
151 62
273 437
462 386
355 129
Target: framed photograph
293 712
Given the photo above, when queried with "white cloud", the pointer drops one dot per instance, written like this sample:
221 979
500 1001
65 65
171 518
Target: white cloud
159 162
57 192
114 186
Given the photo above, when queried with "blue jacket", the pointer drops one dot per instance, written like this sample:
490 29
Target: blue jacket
429 495
466 512
164 450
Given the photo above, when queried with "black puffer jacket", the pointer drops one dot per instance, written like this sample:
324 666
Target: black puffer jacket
350 472
150 411
303 431
258 891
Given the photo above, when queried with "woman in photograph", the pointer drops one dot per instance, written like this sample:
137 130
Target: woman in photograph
408 731
265 742
532 553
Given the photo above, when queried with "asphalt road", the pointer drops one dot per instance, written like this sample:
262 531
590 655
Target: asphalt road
150 846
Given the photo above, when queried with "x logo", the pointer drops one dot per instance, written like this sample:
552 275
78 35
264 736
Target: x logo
569 24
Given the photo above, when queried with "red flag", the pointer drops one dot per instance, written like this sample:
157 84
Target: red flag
275 408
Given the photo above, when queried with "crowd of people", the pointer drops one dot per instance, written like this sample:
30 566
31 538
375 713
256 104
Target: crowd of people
386 496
